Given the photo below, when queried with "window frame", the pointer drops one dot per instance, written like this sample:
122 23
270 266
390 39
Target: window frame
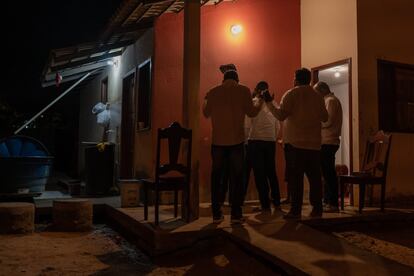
387 95
150 91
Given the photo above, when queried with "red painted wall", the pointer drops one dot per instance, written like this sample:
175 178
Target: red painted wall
267 49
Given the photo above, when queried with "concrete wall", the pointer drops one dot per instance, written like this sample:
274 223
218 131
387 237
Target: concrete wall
329 34
385 30
89 130
268 49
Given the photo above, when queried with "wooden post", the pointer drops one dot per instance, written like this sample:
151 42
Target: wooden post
191 102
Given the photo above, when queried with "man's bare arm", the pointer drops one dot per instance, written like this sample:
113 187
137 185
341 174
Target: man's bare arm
279 113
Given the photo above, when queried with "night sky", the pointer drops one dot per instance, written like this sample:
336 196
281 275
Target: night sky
29 32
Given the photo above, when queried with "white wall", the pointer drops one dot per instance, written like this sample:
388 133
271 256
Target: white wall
329 34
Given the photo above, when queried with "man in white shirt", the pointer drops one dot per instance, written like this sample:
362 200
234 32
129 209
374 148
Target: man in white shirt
303 110
331 132
262 133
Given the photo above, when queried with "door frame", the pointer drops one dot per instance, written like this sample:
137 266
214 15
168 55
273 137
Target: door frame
315 71
123 157
142 64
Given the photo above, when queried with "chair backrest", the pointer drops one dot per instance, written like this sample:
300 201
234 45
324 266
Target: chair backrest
377 152
174 134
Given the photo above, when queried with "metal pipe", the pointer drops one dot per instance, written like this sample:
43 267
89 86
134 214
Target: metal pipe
55 100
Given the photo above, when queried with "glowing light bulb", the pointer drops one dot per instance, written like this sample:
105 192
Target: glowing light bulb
236 29
337 74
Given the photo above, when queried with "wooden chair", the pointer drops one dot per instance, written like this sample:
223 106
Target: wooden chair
163 180
374 169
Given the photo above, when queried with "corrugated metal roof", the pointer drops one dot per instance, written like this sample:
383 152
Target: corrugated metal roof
127 24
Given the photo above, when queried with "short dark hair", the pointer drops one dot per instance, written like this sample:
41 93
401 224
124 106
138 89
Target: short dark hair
262 85
303 76
231 75
323 87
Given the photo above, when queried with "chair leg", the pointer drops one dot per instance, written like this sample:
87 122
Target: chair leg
187 202
361 197
175 203
371 193
382 197
342 188
351 194
145 202
156 207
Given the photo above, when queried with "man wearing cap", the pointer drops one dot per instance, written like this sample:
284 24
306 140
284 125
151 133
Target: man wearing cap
227 105
303 110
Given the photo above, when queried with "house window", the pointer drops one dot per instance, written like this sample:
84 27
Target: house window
396 96
144 96
104 90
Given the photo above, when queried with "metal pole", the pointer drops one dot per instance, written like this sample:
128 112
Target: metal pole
54 101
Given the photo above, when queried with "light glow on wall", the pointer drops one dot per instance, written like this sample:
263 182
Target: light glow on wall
114 65
113 62
236 29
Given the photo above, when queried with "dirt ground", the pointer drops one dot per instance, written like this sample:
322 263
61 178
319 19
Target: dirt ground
104 252
396 244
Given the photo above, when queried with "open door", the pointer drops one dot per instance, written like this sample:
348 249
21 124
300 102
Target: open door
128 127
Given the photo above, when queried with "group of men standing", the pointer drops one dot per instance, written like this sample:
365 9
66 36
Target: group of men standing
312 121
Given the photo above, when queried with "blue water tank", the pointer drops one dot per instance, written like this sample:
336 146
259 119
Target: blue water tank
25 164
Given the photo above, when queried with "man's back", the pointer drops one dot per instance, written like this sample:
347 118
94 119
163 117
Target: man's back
227 105
306 110
331 130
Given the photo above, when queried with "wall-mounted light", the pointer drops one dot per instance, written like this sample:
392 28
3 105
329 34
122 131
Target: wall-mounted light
112 62
236 29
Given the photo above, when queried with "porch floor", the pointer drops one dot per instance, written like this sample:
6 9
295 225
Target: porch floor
293 246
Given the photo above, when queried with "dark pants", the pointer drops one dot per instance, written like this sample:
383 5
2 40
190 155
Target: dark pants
246 177
227 159
247 170
262 158
329 174
299 162
288 193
